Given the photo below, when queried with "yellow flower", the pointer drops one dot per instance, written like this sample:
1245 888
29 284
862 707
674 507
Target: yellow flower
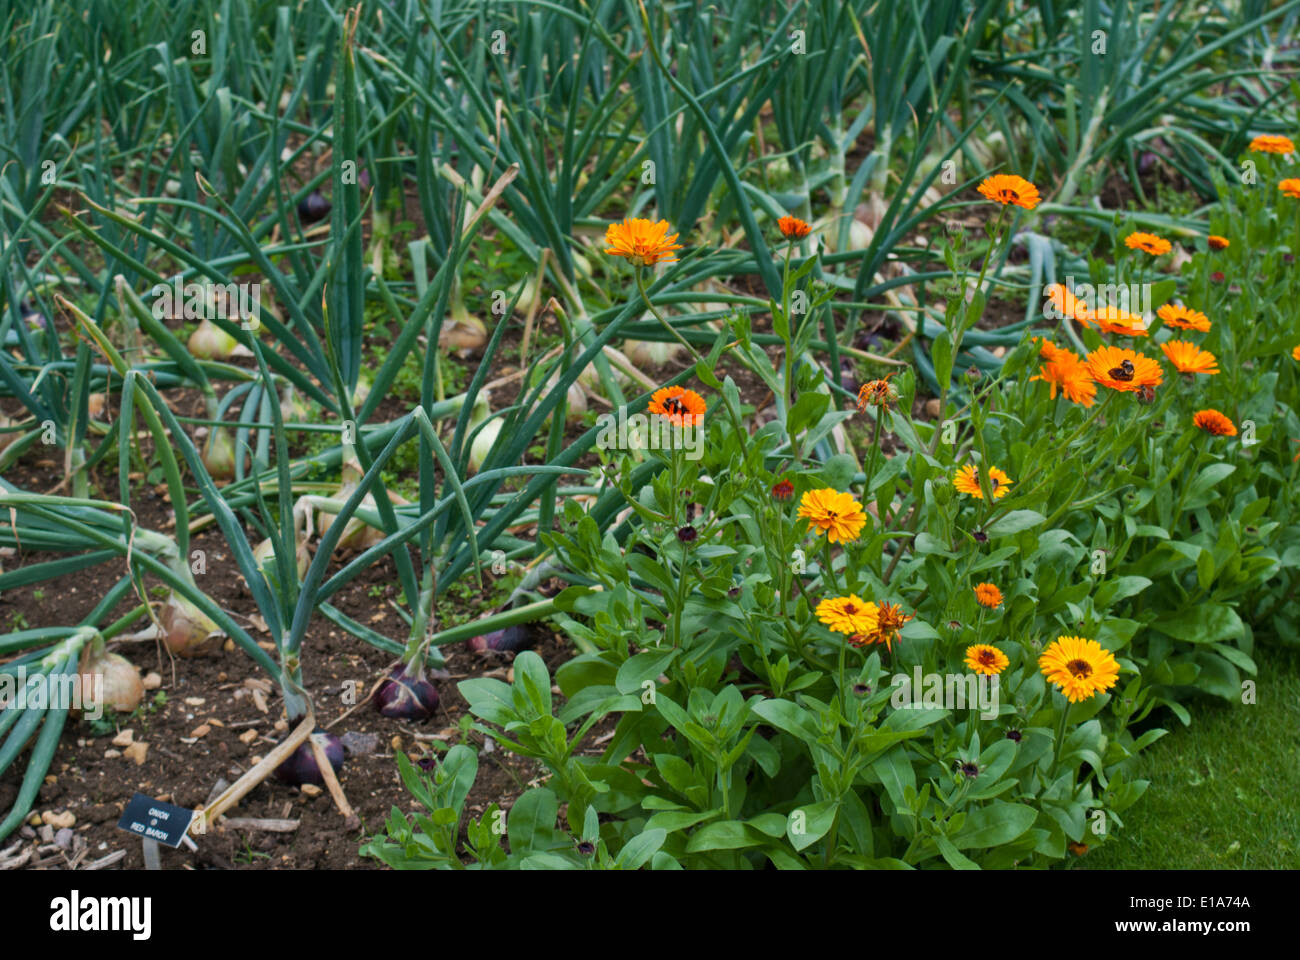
1270 143
986 659
1079 667
1149 242
967 481
643 242
835 514
849 614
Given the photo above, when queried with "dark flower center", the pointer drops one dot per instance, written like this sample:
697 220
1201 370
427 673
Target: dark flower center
1080 668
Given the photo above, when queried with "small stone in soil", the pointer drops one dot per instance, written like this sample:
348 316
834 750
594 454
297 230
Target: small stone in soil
124 738
360 744
151 681
310 789
63 839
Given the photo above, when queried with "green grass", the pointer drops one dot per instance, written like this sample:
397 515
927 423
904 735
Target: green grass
1223 791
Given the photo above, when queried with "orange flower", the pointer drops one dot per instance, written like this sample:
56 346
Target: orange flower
1290 187
1217 242
1272 143
681 407
1009 189
1048 349
792 228
1185 318
988 595
986 659
967 481
1189 358
877 393
1059 296
889 623
1295 352
1065 371
1149 242
1214 422
1123 369
643 242
782 490
1121 322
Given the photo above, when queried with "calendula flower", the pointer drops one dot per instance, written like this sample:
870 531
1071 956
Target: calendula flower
1112 319
851 614
1149 242
782 490
1189 358
1048 350
1009 189
1066 304
967 481
1272 143
643 242
876 393
889 623
1214 422
1185 318
835 514
1290 187
681 407
1295 353
1066 371
1079 667
1078 849
1122 369
988 595
985 659
1217 242
792 228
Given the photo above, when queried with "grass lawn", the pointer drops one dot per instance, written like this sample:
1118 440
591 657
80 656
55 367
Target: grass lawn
1224 792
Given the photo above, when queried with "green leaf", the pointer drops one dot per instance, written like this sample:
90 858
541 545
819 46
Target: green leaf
530 825
812 826
1014 522
638 851
1203 623
994 825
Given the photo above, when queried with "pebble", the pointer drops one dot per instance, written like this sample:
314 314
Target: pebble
281 726
137 752
27 833
46 833
310 789
248 736
63 839
58 820
360 744
202 730
195 701
112 754
124 738
152 681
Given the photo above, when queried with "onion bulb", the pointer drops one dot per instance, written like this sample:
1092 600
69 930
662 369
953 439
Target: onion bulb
509 640
210 342
576 408
483 444
651 354
187 630
313 207
301 767
219 454
406 697
122 688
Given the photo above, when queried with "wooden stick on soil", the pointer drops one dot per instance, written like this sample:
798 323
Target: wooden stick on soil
331 781
241 787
